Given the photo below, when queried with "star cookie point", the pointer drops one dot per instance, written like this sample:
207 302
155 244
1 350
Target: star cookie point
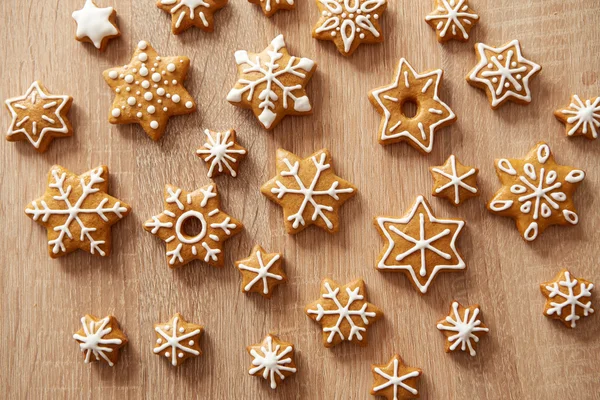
463 328
96 25
100 339
270 7
581 117
273 359
568 298
261 272
452 19
177 340
188 13
454 181
395 380
222 153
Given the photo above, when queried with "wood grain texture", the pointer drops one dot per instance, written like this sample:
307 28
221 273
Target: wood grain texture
526 356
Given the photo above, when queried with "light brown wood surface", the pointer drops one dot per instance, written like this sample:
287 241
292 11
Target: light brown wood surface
526 355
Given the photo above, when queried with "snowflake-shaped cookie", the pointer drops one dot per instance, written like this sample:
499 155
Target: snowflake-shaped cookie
261 272
38 117
454 181
215 226
536 192
420 89
567 298
221 151
308 190
272 83
582 118
188 13
462 328
343 312
149 90
100 339
349 23
503 73
177 340
274 360
452 19
394 380
270 7
96 25
77 212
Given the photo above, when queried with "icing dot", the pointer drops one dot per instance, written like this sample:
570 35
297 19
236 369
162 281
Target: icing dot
164 72
140 115
129 79
154 125
362 35
376 16
134 70
142 45
148 96
189 104
180 355
519 76
514 64
153 69
507 84
159 341
490 65
143 57
131 101
171 67
333 33
158 58
191 342
128 89
181 330
176 98
165 109
144 71
167 327
118 90
351 16
495 80
166 82
500 57
167 354
156 77
145 84
174 82
160 92
168 95
159 101
156 65
116 112
113 75
344 15
151 109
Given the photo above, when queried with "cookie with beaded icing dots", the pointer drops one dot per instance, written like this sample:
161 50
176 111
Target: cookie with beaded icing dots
100 339
261 272
188 13
96 25
273 359
581 117
452 19
177 340
149 90
270 7
463 328
454 181
568 299
395 380
222 153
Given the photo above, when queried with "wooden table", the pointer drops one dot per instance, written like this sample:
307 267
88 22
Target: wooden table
526 356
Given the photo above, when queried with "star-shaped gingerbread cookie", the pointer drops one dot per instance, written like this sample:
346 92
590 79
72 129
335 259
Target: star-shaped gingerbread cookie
100 339
177 340
38 117
273 359
452 19
463 328
394 380
270 7
188 13
581 118
261 272
454 181
222 153
422 91
536 192
568 299
149 90
308 190
173 226
96 25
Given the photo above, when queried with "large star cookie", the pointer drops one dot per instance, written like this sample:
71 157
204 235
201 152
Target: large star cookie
177 340
96 25
454 181
100 339
394 380
463 328
567 298
188 13
222 153
536 192
581 118
261 272
421 90
452 19
273 359
270 7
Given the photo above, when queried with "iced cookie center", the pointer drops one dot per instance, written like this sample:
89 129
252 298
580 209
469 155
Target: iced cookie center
191 227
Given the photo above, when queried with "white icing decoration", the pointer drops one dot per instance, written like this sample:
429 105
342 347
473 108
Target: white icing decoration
218 149
116 112
174 342
455 180
584 116
92 342
268 3
271 361
262 273
396 380
94 23
191 5
465 327
454 12
571 299
142 45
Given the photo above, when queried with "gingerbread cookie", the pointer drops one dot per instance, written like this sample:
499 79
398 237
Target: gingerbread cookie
96 25
272 83
221 150
308 190
349 23
77 212
177 340
39 117
270 7
452 19
462 327
421 90
149 90
536 192
100 338
503 73
394 380
273 359
582 118
567 298
420 245
454 181
343 312
261 272
215 226
188 13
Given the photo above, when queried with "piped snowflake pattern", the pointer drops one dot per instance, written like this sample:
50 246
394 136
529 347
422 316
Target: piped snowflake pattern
568 298
273 359
462 328
222 151
453 180
452 19
100 339
581 117
177 340
188 13
395 381
261 272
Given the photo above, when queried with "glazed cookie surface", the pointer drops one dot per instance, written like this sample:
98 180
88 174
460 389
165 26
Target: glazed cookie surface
222 153
454 181
177 340
96 25
568 298
581 117
452 19
100 339
273 359
188 13
463 328
394 380
261 272
270 7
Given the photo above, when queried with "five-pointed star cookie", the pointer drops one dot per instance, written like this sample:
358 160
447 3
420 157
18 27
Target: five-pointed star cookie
270 7
172 226
273 359
420 245
221 151
394 380
454 181
38 117
100 339
261 272
96 25
452 19
462 328
308 190
177 340
149 90
536 192
421 90
503 73
567 298
349 23
581 118
343 312
188 13
272 83
77 212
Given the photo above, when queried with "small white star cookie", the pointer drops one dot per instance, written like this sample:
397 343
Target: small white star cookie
96 25
100 339
581 117
177 340
394 380
463 328
261 272
273 359
568 298
222 153
454 181
452 19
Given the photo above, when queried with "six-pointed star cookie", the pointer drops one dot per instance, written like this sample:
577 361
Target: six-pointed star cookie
582 118
272 83
462 327
536 192
77 212
452 19
188 13
420 89
177 340
270 7
38 117
343 312
420 245
349 23
308 190
149 90
261 272
503 73
567 298
215 226
221 151
273 359
100 339
96 25
394 380
454 181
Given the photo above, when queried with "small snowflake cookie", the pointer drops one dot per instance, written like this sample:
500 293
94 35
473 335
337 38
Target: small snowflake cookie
567 298
420 245
270 7
503 73
261 272
96 25
536 192
188 13
582 118
454 181
349 23
100 339
419 90
38 117
273 359
149 90
173 226
77 212
271 83
463 328
452 19
308 190
221 151
343 312
177 340
394 380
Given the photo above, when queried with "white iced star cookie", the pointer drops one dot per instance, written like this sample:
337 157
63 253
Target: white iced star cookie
463 328
395 380
100 339
177 340
581 117
222 153
270 7
452 19
568 298
188 13
273 359
96 25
